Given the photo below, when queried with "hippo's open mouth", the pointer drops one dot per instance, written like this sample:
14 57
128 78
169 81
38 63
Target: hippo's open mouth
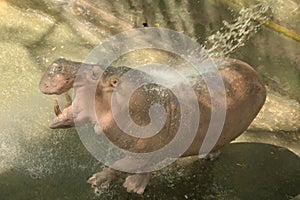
58 79
64 118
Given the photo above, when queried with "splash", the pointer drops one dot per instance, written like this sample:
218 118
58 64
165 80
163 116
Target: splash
234 35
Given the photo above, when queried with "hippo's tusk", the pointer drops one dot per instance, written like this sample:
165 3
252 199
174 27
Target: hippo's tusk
57 110
69 99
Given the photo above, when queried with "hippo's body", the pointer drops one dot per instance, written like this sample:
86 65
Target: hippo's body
245 95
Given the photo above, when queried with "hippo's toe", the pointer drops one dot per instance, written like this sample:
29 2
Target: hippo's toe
102 181
137 183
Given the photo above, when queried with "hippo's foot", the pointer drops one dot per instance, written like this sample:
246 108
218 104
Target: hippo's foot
103 180
213 155
137 183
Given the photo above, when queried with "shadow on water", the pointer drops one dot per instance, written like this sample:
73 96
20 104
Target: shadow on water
243 171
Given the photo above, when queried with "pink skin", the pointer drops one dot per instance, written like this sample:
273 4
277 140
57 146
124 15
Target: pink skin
64 119
245 97
58 79
137 183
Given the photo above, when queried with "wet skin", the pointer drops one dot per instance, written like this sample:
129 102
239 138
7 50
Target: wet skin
245 95
58 79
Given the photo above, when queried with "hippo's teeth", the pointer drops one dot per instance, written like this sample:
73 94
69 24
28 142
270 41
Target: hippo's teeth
57 110
69 99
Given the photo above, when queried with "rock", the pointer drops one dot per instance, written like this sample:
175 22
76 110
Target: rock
279 113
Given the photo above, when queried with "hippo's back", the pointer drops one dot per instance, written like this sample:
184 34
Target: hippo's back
245 96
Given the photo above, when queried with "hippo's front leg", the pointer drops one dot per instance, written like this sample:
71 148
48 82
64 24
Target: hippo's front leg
137 182
103 180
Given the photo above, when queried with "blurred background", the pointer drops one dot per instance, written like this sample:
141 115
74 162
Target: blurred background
39 163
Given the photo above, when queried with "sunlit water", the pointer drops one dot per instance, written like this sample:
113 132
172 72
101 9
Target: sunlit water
39 163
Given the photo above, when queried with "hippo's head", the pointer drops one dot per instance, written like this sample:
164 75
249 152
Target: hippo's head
59 77
93 90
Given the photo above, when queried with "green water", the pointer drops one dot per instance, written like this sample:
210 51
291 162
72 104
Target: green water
39 163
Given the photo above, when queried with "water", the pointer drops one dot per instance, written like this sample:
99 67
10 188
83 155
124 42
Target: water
39 163
234 35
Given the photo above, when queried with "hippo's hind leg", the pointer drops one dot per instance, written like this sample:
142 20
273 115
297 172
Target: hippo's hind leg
103 180
211 156
137 182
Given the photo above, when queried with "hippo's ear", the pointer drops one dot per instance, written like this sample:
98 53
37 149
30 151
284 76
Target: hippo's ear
114 82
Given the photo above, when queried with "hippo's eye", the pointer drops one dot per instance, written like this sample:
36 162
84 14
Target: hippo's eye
58 69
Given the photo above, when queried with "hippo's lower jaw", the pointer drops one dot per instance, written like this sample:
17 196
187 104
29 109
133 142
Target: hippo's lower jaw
63 120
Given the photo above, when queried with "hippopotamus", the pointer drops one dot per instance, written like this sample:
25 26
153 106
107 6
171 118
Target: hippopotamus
245 96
